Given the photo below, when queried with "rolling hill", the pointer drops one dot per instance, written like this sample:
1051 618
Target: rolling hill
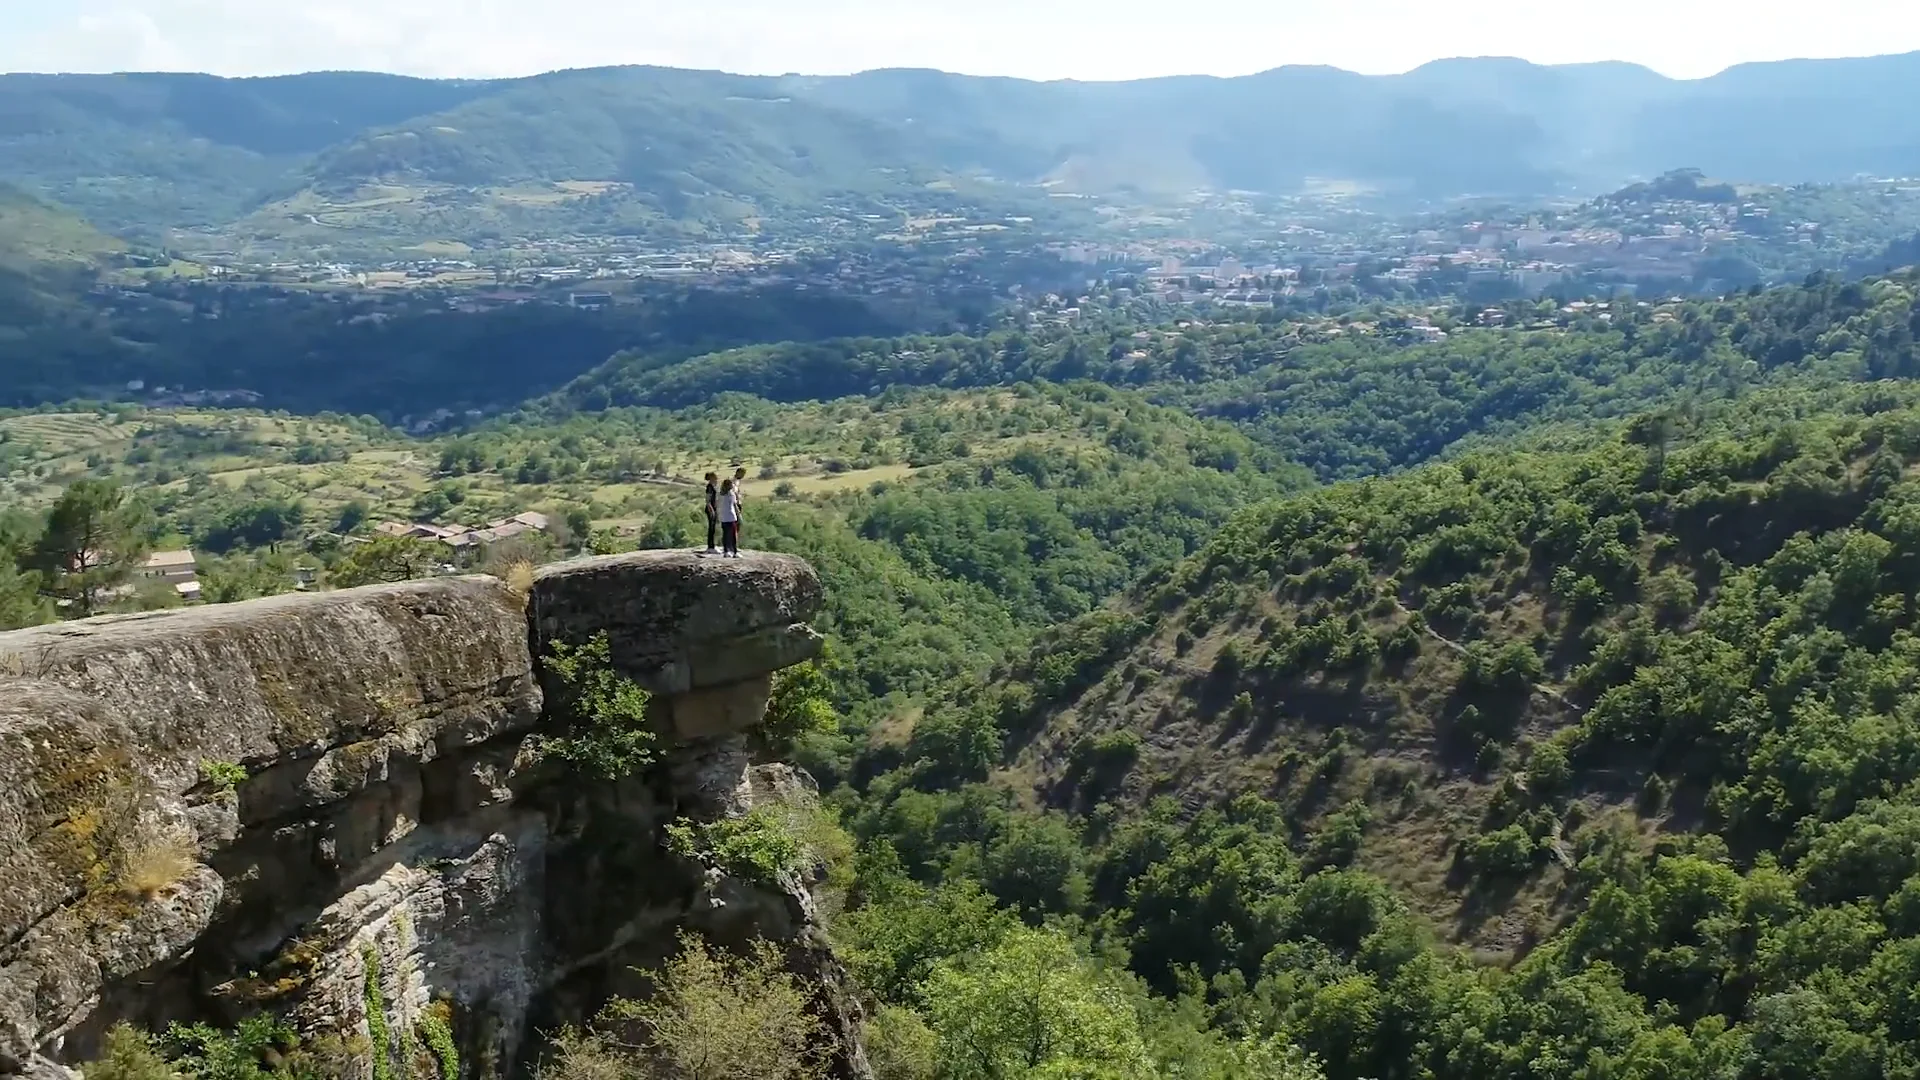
617 146
34 234
1476 670
47 256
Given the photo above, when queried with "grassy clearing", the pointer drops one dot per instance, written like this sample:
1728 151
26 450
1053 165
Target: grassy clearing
60 434
452 249
852 480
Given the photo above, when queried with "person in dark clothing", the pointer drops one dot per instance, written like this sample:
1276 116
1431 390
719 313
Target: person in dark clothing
713 510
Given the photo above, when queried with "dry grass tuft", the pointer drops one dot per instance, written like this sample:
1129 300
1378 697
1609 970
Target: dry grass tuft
519 577
156 863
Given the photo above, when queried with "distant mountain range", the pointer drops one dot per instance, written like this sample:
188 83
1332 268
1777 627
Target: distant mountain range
154 150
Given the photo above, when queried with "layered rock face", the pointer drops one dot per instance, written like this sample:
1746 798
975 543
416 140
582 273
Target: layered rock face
332 807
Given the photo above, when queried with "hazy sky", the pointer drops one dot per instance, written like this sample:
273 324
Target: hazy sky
1087 39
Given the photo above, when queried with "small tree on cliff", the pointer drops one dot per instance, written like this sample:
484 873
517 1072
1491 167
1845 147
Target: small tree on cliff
801 705
94 539
713 1016
722 1017
605 712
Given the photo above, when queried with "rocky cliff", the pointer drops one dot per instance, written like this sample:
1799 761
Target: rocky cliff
334 807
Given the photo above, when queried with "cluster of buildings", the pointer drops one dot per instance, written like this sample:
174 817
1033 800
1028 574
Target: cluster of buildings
1656 242
464 541
180 570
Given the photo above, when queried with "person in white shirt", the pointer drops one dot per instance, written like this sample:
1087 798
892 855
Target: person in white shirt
730 519
739 497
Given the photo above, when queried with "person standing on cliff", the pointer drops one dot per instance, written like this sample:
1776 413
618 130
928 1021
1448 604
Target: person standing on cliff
739 496
730 518
713 510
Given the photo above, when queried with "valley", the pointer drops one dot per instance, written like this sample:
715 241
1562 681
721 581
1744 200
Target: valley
1432 605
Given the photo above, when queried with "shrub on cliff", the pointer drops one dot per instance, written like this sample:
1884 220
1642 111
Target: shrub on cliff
757 846
605 713
259 1046
713 1016
128 1054
800 708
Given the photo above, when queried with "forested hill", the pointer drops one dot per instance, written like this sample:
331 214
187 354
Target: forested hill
382 356
1355 399
35 235
150 150
1640 720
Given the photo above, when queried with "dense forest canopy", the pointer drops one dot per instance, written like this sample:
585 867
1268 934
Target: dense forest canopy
407 356
1358 399
1667 677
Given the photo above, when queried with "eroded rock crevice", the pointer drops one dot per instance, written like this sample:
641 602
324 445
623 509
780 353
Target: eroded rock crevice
398 853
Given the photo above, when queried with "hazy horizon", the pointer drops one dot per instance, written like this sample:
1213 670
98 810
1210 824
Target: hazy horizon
1065 39
944 71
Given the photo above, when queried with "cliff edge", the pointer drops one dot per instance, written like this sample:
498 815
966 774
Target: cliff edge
334 807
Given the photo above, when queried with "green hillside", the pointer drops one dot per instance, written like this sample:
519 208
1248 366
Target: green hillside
35 234
1354 399
390 356
1635 724
47 258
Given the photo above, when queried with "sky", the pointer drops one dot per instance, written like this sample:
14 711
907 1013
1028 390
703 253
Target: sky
1042 39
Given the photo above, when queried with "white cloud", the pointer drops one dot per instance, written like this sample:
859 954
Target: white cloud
1034 38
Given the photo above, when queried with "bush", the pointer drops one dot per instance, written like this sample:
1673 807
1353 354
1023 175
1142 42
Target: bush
224 776
757 846
1103 760
1242 708
1548 768
1402 645
801 705
1338 840
1503 853
720 1017
577 1054
604 711
900 1046
128 1054
208 1053
155 861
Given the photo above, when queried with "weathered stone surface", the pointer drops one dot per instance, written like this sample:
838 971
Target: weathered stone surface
298 674
673 617
119 856
395 810
720 710
725 662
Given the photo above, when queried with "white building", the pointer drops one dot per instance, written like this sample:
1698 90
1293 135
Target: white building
176 568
